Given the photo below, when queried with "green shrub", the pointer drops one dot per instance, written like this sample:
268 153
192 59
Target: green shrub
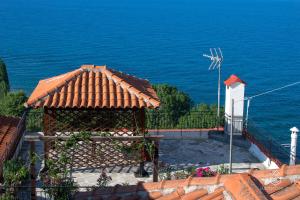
14 172
201 116
222 169
174 104
34 120
4 83
63 191
12 104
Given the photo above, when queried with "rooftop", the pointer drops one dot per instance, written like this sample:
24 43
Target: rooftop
93 86
233 79
8 136
278 184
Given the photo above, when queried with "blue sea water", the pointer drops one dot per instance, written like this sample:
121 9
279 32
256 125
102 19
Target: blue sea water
163 41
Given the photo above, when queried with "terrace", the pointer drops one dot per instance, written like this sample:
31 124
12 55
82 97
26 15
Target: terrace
95 119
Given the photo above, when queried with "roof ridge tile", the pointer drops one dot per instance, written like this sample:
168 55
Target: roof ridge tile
32 99
283 169
243 187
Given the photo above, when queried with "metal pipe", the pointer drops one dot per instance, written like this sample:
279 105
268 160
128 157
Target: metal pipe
247 113
219 90
231 134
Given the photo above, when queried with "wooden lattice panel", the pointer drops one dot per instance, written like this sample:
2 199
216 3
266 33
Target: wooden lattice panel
101 122
119 121
98 154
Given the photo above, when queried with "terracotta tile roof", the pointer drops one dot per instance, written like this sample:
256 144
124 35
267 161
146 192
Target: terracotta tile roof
93 87
233 79
8 137
280 184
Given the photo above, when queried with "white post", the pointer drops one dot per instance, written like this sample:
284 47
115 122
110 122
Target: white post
294 135
247 114
231 134
219 90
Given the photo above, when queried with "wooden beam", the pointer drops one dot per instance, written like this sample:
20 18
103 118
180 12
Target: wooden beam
39 136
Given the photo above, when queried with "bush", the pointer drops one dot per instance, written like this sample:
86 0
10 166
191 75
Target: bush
174 104
173 101
222 169
62 191
13 104
34 120
205 172
201 116
4 83
14 173
177 111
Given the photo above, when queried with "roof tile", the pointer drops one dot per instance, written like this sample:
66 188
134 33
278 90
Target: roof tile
195 195
243 187
233 186
93 87
233 79
8 131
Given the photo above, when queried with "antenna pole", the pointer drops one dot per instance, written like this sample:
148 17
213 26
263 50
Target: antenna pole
219 91
216 58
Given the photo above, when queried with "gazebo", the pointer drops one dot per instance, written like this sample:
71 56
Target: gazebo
109 104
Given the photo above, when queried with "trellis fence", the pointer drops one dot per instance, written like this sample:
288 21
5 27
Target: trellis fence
154 120
269 144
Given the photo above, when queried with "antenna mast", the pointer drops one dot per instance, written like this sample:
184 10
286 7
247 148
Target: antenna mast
216 57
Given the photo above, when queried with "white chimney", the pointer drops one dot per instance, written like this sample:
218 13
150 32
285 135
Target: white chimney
235 90
294 135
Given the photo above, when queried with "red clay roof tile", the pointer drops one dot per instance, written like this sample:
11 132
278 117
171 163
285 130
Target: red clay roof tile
8 131
233 79
155 195
277 186
217 194
176 195
93 87
235 186
243 187
195 195
287 193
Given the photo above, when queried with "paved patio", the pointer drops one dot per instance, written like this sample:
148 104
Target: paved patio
177 153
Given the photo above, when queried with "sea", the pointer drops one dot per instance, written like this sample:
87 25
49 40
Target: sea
164 41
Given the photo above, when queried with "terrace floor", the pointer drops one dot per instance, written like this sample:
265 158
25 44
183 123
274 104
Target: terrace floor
178 153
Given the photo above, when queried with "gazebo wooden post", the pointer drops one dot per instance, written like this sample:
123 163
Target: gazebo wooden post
49 121
133 123
140 117
143 121
155 161
32 171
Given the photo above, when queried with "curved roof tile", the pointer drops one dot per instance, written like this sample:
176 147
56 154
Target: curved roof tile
259 185
93 87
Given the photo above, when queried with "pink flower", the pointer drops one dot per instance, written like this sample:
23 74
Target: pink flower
207 169
199 172
204 172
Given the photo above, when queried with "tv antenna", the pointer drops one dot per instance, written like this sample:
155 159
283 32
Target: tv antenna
216 57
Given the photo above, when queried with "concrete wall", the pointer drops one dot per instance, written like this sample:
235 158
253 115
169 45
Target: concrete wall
267 162
202 134
235 91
